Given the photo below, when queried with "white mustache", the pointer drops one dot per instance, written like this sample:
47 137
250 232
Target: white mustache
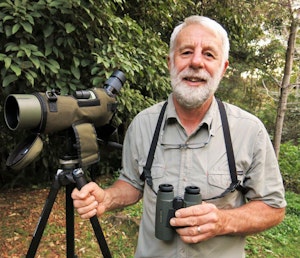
201 74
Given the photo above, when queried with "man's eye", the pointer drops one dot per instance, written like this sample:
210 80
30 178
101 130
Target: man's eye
185 53
209 54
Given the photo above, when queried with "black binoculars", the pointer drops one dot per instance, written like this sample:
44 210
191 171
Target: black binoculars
166 206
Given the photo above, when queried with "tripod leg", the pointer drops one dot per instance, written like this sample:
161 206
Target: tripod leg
43 219
79 177
70 222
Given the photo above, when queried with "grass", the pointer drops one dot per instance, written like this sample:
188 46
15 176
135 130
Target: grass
20 211
281 241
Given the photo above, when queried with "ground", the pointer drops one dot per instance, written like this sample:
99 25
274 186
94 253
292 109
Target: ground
20 212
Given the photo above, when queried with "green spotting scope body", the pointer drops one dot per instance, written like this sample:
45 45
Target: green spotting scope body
47 112
50 112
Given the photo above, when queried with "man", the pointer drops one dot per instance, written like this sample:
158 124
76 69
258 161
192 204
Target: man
191 151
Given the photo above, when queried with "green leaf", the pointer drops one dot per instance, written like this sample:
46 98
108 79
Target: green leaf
35 61
73 86
30 46
30 78
95 70
75 71
8 31
9 79
21 53
59 41
48 50
11 47
15 28
7 62
42 68
7 18
96 81
53 65
76 61
38 53
69 27
16 69
29 18
85 62
26 65
4 4
27 27
48 30
27 51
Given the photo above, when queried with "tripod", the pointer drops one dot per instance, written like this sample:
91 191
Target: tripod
68 176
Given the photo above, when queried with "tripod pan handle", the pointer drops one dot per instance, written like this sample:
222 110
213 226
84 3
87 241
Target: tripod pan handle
80 179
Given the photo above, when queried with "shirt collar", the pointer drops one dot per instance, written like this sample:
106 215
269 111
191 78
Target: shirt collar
210 116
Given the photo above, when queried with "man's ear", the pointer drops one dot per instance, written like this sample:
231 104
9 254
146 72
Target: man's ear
226 64
169 62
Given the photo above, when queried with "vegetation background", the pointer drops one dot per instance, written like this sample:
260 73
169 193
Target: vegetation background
69 45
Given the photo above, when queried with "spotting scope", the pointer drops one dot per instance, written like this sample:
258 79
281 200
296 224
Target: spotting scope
50 112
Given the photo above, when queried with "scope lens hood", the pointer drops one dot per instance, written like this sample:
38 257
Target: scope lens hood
25 152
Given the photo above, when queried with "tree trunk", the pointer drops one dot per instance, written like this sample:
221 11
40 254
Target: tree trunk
285 86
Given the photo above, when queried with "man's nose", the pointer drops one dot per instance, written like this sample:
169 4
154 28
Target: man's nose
197 61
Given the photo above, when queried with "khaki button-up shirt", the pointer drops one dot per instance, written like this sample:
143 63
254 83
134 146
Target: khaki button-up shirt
200 160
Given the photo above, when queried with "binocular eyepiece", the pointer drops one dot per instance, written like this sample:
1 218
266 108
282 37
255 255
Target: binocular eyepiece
166 206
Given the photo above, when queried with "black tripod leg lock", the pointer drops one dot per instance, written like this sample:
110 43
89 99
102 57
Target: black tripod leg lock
79 178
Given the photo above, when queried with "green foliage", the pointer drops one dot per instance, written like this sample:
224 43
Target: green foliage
291 130
74 44
281 240
289 161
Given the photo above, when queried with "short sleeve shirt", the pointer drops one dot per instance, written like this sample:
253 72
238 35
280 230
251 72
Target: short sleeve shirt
200 159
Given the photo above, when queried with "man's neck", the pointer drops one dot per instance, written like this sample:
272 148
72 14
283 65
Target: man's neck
190 118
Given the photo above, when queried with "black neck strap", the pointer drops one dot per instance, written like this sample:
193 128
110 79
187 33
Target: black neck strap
146 175
235 183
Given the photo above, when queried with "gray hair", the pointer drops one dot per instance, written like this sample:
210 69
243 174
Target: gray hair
207 23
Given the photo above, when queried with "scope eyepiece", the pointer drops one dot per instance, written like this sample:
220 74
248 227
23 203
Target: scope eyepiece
114 83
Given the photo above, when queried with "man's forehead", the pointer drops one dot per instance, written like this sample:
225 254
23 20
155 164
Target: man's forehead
196 34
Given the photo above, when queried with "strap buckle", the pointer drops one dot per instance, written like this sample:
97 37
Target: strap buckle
146 176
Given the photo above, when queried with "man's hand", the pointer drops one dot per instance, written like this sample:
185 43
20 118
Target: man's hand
92 200
198 222
89 200
204 221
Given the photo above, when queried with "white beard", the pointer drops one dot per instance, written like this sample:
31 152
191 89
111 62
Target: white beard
193 97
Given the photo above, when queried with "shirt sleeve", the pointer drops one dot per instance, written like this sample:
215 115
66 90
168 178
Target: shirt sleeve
263 179
130 161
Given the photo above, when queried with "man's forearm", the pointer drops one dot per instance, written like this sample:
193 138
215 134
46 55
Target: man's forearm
250 218
121 194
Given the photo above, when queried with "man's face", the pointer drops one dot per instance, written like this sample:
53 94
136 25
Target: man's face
197 65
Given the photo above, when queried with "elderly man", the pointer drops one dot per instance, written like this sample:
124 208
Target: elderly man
191 150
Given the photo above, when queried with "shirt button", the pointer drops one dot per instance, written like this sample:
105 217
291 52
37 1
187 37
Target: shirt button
182 252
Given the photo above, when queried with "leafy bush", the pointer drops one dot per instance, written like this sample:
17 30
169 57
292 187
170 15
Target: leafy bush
289 161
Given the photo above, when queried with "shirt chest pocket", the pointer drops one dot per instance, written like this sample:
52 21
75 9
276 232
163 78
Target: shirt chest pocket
219 179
